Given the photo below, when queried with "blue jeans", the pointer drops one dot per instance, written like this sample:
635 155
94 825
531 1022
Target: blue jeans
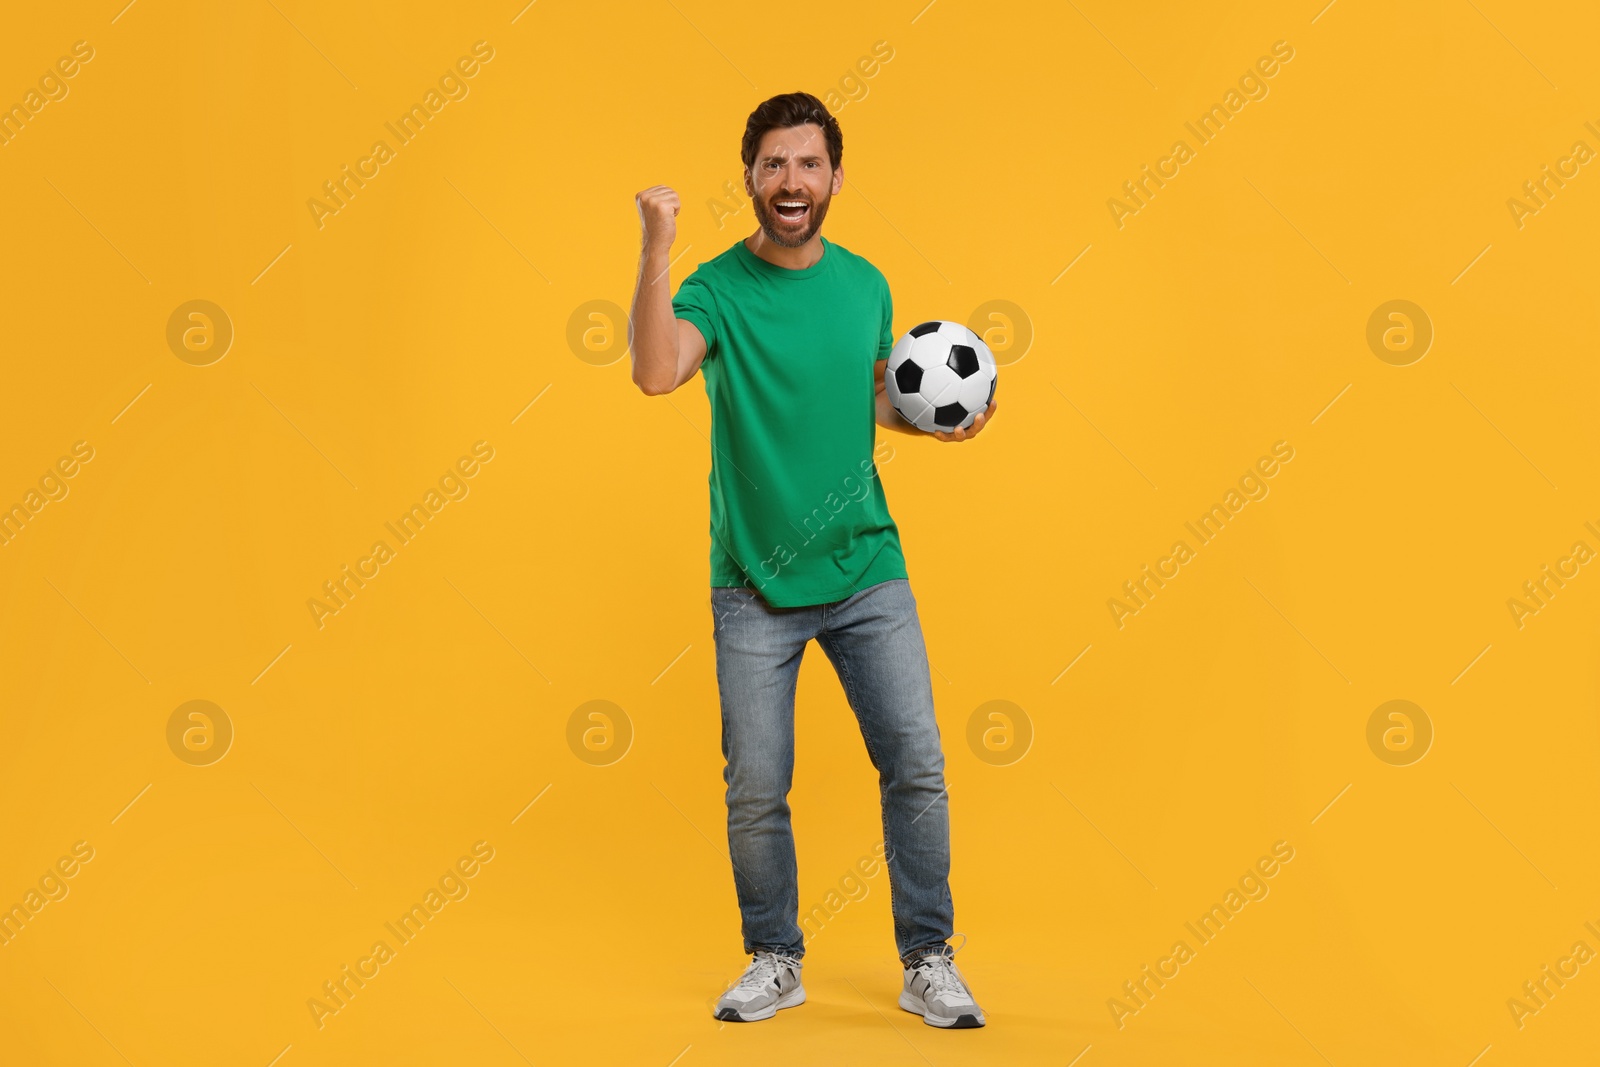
874 640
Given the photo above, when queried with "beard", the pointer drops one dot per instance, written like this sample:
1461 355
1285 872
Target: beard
788 236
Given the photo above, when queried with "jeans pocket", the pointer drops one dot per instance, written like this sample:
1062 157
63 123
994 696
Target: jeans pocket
728 601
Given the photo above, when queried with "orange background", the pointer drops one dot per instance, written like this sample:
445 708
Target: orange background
432 711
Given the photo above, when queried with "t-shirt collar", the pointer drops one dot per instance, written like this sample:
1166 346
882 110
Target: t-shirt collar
760 265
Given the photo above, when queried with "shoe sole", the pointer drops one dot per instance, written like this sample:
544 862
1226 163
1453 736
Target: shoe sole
964 1021
795 996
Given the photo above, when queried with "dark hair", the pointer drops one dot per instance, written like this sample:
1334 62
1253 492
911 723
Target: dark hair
784 111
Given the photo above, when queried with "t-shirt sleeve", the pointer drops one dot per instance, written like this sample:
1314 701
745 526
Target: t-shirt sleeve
695 303
886 337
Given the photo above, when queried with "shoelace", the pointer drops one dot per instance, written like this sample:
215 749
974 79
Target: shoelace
763 969
940 971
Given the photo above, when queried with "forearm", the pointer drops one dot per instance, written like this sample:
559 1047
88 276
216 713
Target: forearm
890 419
654 341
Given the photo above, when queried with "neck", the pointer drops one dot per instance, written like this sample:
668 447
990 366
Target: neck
800 258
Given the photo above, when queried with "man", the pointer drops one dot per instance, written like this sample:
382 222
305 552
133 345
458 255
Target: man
792 333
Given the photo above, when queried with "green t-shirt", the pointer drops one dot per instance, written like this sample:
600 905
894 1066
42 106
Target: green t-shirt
797 509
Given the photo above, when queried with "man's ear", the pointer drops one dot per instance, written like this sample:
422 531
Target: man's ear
749 186
838 178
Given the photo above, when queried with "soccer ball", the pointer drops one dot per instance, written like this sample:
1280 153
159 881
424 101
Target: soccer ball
940 376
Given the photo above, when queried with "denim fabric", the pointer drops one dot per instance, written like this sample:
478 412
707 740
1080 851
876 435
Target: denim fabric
874 640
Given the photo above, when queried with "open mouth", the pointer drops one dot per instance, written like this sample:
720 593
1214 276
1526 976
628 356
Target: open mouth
791 210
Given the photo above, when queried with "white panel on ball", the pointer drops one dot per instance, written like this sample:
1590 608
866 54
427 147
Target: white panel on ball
915 408
956 333
939 383
901 349
974 393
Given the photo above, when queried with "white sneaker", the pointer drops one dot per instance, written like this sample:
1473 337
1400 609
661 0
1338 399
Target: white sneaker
936 991
769 983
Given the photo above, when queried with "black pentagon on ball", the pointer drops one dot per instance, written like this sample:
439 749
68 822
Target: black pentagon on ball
963 360
992 383
949 416
908 376
927 327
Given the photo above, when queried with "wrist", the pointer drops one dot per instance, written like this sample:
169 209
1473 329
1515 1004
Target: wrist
654 258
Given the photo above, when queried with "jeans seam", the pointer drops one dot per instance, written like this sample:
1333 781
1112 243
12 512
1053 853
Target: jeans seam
728 603
883 806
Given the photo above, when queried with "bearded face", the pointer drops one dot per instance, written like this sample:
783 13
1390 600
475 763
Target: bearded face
792 182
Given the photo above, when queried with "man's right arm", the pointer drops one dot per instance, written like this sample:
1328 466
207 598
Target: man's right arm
666 350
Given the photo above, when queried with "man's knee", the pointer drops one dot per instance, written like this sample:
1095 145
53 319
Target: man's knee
758 780
754 807
916 764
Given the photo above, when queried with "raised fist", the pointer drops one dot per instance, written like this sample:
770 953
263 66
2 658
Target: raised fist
658 211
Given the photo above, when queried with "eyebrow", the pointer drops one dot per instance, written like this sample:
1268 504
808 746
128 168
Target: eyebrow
803 159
